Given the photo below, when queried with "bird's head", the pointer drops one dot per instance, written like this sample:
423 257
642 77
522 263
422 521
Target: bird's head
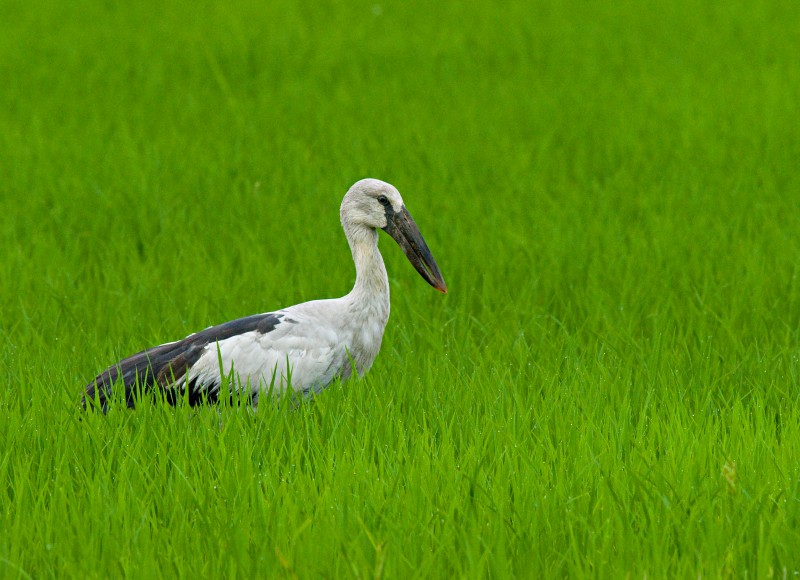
375 204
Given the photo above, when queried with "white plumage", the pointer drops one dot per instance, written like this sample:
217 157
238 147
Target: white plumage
305 346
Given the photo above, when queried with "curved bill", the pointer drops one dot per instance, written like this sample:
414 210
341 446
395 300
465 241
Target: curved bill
401 226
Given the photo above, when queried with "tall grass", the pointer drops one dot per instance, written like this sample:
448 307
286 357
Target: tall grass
611 190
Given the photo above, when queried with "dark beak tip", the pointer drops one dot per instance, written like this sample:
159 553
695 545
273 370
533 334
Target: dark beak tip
405 232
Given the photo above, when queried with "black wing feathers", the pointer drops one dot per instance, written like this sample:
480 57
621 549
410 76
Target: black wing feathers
168 364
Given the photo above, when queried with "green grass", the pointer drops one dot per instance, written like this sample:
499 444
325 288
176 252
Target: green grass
610 188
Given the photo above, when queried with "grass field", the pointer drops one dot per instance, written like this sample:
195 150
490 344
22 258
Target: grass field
610 188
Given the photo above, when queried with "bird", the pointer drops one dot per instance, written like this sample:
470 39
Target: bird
301 348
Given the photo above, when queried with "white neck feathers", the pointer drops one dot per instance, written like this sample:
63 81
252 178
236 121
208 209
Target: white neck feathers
372 283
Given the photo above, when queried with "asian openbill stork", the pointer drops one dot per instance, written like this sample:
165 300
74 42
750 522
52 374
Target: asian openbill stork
305 346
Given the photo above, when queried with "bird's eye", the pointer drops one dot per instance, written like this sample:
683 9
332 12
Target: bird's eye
383 200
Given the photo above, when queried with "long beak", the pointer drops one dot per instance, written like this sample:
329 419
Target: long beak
401 226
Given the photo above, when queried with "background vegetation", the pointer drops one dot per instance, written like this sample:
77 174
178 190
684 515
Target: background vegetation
610 188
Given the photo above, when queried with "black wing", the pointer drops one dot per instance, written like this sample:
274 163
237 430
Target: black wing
167 364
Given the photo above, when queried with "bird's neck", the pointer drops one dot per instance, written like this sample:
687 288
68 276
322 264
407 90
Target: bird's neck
371 279
367 304
371 290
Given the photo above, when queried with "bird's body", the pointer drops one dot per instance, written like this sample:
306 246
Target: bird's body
302 347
